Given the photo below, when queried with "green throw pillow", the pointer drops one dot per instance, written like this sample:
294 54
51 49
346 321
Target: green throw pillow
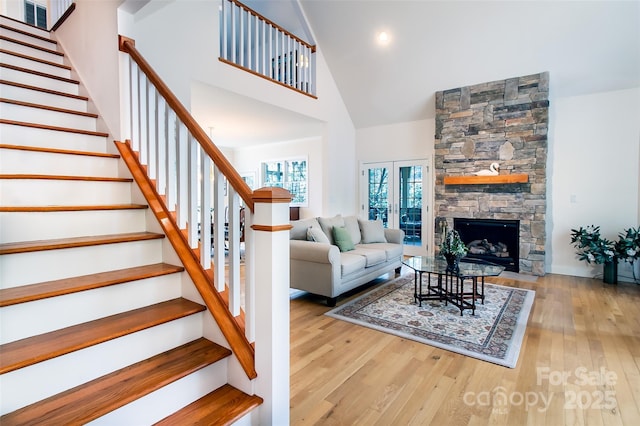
342 238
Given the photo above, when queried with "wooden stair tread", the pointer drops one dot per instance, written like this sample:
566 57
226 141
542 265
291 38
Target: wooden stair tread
55 128
26 33
39 73
32 350
71 208
35 59
44 90
48 108
220 407
60 177
43 290
62 243
98 397
33 46
58 151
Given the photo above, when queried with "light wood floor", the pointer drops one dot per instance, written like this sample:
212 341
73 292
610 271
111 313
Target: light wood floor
579 365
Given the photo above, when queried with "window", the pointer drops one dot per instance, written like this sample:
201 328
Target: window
35 14
288 174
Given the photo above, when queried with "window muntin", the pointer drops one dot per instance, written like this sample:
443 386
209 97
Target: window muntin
289 174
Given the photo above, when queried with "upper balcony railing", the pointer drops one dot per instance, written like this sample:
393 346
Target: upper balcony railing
252 42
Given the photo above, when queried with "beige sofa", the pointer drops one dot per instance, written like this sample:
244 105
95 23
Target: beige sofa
322 265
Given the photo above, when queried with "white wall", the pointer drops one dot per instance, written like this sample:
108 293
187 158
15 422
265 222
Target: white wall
89 38
594 169
403 141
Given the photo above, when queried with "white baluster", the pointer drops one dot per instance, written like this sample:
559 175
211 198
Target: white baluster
192 191
182 176
152 132
233 34
249 278
218 228
234 251
162 146
135 108
248 41
171 159
144 123
205 210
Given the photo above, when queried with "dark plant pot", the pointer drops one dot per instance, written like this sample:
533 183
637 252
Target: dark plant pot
452 261
610 272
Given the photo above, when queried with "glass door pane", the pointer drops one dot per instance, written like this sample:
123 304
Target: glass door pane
378 195
410 203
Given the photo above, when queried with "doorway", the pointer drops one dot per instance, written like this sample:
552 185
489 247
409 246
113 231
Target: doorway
397 193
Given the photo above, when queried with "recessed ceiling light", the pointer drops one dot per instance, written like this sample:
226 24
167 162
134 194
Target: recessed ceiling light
383 37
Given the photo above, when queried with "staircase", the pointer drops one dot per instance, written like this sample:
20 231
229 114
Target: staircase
94 325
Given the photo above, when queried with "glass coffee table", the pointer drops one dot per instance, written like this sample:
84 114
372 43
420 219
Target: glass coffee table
460 287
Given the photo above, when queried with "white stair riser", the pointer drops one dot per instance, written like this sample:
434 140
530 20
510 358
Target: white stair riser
19 322
38 81
24 27
168 399
33 226
18 61
46 192
20 135
37 97
29 268
38 381
46 117
27 39
30 51
22 161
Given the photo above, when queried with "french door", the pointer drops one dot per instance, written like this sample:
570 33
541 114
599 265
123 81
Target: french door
398 194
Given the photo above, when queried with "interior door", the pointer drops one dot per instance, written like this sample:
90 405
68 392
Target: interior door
398 194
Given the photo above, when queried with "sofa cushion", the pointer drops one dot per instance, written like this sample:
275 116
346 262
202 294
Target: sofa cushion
351 223
372 231
373 257
314 233
342 238
392 251
327 223
299 228
350 263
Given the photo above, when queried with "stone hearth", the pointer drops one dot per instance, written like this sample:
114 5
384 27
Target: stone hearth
505 122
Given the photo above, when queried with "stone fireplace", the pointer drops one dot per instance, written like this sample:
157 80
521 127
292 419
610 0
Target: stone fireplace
504 122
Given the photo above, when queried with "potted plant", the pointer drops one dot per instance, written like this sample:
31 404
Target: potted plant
628 247
593 248
452 248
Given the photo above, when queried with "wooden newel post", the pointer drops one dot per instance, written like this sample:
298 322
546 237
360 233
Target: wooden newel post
271 242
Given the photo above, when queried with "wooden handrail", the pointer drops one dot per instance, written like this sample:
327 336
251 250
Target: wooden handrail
243 350
270 22
127 45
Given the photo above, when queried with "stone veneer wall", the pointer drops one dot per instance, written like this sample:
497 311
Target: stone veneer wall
505 122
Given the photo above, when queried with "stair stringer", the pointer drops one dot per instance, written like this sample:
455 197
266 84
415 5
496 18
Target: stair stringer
236 374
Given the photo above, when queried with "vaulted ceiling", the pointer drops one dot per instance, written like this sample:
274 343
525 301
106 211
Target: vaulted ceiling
587 47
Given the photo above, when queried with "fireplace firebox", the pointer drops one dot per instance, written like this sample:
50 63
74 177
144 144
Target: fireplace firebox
491 240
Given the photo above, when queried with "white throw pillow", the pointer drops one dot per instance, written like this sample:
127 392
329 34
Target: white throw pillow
372 231
351 223
316 234
327 224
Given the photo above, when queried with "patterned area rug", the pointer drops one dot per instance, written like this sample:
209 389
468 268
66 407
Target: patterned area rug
493 334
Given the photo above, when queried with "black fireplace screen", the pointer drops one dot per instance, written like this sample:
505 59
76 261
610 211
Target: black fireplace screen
491 240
